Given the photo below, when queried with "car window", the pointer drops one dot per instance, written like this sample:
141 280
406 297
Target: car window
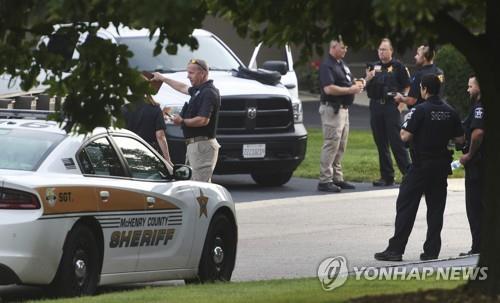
99 158
209 49
24 149
142 162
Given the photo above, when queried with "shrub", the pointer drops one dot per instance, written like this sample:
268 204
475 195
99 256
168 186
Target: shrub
308 77
456 73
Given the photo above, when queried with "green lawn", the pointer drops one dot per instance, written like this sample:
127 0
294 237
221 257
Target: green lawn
360 161
297 290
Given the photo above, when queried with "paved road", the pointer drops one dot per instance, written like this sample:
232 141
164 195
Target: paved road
286 238
244 189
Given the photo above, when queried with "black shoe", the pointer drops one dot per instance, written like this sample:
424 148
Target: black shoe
329 187
344 185
388 255
383 182
426 257
470 252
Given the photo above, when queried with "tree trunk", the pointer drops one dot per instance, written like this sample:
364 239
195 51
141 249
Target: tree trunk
490 233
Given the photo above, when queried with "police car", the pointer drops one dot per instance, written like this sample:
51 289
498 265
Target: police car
79 211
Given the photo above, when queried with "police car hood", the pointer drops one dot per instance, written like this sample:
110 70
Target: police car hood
224 81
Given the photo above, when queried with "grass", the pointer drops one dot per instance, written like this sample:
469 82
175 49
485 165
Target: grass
360 162
297 290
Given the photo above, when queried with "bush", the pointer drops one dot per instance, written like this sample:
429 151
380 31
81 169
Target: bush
456 73
308 77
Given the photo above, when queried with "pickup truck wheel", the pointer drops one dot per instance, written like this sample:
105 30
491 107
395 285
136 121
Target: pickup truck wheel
219 252
272 179
78 272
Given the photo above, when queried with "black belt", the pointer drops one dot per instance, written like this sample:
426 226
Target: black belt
380 101
384 100
334 104
197 139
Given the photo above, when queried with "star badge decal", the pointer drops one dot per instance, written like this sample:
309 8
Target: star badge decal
202 201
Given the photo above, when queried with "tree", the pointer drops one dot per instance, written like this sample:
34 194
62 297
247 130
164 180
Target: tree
472 27
101 80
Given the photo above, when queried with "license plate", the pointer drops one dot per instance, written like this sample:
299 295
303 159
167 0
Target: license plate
254 151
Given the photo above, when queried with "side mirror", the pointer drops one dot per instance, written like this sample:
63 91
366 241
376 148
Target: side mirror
277 66
182 172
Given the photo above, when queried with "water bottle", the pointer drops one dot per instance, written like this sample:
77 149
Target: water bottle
455 164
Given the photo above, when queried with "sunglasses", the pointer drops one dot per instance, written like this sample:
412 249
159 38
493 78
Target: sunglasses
202 65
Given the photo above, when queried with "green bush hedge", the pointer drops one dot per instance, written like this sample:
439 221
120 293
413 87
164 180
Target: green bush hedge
456 73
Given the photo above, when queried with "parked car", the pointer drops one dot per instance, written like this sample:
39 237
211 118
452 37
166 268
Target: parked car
79 211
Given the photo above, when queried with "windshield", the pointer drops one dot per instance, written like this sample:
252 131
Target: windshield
25 150
209 49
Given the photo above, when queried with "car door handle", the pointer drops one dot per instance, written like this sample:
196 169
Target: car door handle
151 201
290 86
104 194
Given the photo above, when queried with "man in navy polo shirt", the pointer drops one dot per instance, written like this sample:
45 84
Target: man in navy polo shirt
198 118
337 94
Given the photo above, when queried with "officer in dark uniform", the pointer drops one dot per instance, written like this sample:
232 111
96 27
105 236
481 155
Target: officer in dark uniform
384 79
424 61
428 130
473 161
146 120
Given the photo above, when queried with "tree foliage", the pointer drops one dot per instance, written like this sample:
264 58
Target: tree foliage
457 75
97 83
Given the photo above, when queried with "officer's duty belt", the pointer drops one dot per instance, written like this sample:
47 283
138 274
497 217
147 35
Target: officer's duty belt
382 101
197 139
332 104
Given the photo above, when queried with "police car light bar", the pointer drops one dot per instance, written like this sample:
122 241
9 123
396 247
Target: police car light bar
34 104
24 113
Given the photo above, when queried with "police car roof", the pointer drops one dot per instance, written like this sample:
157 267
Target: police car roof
51 126
32 124
124 31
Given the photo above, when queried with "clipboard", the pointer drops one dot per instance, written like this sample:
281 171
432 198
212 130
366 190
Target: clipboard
155 85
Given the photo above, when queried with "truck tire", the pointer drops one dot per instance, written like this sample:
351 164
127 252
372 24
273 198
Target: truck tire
78 272
272 179
219 251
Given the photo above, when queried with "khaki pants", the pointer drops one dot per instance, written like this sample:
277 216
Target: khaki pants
335 133
202 157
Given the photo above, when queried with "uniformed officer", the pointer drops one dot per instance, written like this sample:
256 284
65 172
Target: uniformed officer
424 60
337 94
385 78
198 118
146 120
472 160
428 130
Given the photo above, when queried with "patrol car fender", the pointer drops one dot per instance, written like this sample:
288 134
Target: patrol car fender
219 200
35 244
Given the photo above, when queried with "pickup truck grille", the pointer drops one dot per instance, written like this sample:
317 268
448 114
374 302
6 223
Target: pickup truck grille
255 115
